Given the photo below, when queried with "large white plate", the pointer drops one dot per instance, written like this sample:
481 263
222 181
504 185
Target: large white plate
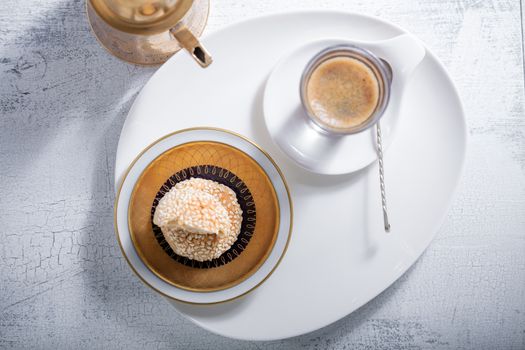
339 257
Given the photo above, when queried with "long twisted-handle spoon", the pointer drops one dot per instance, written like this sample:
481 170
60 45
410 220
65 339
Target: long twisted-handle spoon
379 142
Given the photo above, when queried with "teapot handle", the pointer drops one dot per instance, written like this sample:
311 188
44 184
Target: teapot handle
403 53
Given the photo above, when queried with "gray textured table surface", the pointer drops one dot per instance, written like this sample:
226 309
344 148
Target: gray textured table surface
63 281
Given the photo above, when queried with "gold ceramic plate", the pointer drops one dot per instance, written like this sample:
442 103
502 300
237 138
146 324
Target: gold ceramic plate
189 155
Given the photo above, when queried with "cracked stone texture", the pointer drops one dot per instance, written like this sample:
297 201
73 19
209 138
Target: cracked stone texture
63 281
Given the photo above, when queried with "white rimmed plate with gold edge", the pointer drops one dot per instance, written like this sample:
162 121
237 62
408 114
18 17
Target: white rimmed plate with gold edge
227 158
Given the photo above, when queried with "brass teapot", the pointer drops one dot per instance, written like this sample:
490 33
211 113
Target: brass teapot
148 32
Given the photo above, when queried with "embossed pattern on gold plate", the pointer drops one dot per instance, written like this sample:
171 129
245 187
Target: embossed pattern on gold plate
192 154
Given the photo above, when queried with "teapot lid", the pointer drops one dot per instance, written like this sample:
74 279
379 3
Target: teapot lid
144 17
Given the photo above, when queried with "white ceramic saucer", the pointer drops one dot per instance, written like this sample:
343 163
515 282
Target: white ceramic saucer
124 197
318 152
339 257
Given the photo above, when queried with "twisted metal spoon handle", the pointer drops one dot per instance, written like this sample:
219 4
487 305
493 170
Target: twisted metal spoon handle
379 142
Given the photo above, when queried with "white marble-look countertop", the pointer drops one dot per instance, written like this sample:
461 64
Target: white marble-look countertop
63 281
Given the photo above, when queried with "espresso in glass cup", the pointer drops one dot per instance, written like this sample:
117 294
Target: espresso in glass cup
345 89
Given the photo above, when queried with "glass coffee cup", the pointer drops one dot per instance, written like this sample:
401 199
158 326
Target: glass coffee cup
345 89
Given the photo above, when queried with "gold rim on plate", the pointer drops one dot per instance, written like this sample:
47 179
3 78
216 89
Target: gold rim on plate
254 268
234 161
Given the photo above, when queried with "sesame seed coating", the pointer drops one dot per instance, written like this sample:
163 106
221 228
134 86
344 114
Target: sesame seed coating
199 218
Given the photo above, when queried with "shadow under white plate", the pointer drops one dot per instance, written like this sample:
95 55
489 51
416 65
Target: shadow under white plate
339 256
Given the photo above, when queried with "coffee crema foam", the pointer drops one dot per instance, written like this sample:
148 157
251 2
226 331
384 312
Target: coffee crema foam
342 93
